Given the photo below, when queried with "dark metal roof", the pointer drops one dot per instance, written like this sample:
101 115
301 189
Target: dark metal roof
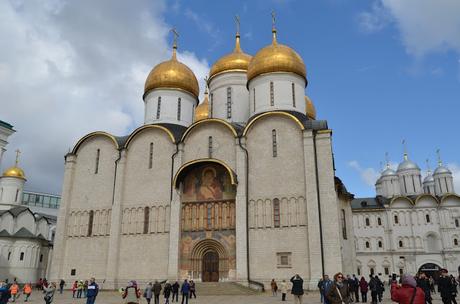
364 203
24 233
4 233
121 140
6 125
306 122
176 130
15 211
341 189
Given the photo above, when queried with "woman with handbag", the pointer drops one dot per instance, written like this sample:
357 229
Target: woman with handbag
339 292
49 292
407 292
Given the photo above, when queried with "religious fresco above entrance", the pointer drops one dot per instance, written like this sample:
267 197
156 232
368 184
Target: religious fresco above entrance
208 182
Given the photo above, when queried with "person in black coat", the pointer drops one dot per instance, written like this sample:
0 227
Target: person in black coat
297 288
424 283
445 287
175 291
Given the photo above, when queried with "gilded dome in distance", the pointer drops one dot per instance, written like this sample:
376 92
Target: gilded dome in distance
310 108
15 171
276 58
172 74
202 110
235 61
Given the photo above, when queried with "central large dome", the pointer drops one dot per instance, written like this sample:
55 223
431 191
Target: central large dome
276 58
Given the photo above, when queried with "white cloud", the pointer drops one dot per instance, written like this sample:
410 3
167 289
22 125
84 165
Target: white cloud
426 26
368 175
71 67
455 168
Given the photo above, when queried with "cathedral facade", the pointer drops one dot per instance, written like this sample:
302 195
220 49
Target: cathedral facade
411 225
240 187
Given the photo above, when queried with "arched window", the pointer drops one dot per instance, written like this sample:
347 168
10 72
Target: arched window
158 107
368 245
98 156
21 257
293 94
396 219
427 217
457 223
344 225
229 103
372 271
380 244
146 219
400 243
90 223
368 223
274 144
151 156
272 94
276 213
379 221
455 242
211 106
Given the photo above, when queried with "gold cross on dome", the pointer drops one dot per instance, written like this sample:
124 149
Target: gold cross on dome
17 156
237 21
176 35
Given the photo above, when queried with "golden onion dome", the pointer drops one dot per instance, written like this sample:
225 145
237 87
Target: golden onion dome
310 108
276 58
172 74
235 61
14 172
202 110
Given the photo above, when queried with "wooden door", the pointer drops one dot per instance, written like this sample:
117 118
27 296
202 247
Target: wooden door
210 267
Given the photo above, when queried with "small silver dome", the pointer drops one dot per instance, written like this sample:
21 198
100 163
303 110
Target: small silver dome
407 165
441 169
388 172
429 178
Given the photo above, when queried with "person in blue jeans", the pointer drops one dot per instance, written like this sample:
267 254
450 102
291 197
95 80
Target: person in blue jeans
185 289
92 292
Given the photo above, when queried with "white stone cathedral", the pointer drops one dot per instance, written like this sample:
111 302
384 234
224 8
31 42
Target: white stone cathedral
410 225
238 188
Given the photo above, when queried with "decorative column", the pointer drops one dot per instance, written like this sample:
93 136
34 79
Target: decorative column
241 215
175 225
311 198
57 267
115 226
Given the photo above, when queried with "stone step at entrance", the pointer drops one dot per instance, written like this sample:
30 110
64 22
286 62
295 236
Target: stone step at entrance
222 288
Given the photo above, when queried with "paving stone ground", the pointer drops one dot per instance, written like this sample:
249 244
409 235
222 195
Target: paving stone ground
110 297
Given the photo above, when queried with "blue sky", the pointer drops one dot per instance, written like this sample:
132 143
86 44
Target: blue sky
379 71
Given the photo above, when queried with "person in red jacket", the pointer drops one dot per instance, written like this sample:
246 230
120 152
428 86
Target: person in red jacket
407 292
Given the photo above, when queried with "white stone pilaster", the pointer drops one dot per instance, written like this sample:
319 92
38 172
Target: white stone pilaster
115 226
174 229
313 232
241 215
57 266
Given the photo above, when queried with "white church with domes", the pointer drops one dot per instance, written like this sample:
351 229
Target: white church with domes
240 187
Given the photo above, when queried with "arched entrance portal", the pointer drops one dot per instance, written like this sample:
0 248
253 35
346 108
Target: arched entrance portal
431 270
207 245
210 267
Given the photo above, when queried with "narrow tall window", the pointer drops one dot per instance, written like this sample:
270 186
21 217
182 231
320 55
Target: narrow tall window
98 155
151 156
396 219
344 225
209 216
210 146
254 98
379 221
405 185
445 181
272 94
229 103
293 94
158 107
211 106
146 219
21 257
276 213
455 242
400 243
274 144
380 244
368 223
387 270
427 217
179 102
41 258
9 255
368 245
457 223
17 195
413 183
90 223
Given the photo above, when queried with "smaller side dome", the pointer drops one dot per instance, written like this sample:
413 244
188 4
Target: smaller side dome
388 172
310 108
407 164
202 110
442 169
429 178
14 172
